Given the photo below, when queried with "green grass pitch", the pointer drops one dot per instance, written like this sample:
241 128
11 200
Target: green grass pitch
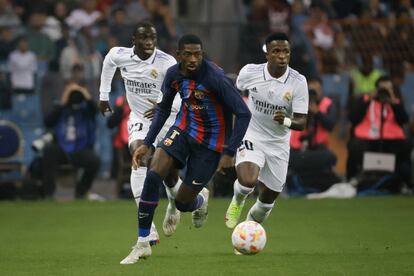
368 236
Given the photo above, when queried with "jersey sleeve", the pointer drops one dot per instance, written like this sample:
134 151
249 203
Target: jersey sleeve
241 82
163 109
108 70
232 99
300 101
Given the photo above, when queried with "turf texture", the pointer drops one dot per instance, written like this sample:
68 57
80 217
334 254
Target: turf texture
364 236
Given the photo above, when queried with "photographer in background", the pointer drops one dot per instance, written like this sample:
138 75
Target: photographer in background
73 125
377 126
309 155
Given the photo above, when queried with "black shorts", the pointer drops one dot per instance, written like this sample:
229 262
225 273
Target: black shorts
200 163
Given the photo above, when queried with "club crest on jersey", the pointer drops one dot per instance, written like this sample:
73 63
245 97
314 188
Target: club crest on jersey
198 94
270 94
287 97
154 73
168 142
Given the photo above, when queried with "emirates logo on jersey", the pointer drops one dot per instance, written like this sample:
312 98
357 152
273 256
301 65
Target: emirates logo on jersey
154 73
287 97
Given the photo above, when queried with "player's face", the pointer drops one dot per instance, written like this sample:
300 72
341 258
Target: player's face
278 53
191 57
144 40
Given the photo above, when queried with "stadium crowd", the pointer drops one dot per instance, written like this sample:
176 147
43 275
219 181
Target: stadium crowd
344 48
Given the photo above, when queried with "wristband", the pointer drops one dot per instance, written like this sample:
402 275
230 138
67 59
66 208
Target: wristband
287 122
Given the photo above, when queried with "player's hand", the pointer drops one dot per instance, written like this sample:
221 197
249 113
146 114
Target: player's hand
226 161
140 152
149 114
105 107
279 116
313 107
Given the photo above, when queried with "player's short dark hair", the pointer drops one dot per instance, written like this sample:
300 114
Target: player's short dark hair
143 24
382 78
189 39
276 36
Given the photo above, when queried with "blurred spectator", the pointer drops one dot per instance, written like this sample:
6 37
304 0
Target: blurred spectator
363 78
5 92
60 45
135 10
348 8
103 39
77 75
377 125
85 16
121 168
6 44
120 28
22 66
9 19
278 16
374 9
318 28
69 57
73 124
310 157
161 17
89 57
40 43
398 51
303 57
53 23
253 33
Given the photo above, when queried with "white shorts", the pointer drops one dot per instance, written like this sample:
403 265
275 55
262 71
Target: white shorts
273 170
138 128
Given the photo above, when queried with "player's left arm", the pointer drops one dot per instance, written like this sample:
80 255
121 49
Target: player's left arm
300 103
232 99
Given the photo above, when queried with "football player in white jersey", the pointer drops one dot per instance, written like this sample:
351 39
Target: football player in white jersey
278 100
143 68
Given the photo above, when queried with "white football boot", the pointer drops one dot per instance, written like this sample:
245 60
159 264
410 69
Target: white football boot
171 220
141 250
199 216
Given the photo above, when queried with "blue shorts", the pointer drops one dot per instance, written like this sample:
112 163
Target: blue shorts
200 163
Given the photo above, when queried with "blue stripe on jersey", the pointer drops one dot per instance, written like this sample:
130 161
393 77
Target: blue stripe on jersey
211 111
192 116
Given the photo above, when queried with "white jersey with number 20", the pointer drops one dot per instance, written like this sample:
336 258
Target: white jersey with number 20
267 95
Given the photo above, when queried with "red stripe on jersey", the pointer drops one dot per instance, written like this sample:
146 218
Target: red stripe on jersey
197 116
220 117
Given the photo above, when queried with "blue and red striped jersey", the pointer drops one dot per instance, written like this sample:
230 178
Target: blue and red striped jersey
207 108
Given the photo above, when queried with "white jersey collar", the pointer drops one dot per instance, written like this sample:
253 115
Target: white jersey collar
281 79
149 60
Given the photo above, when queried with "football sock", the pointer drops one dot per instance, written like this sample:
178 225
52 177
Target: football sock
137 182
172 192
192 206
260 211
240 192
149 201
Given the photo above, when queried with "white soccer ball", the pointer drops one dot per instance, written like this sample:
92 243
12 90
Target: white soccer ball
249 238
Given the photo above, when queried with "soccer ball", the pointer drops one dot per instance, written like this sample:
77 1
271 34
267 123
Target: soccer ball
249 238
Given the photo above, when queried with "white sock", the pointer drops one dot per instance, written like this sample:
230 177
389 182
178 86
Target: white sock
137 182
172 192
260 211
240 192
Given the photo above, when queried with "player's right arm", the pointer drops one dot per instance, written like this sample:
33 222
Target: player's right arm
108 70
163 108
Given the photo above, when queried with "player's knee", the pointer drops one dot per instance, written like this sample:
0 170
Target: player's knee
182 206
247 181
